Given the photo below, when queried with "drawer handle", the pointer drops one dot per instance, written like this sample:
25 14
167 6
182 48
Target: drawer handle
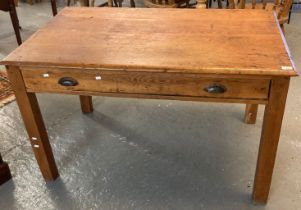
215 89
68 81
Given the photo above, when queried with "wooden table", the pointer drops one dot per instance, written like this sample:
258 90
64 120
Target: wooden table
236 56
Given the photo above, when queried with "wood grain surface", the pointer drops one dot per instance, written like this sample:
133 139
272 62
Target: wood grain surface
244 42
86 104
34 124
270 134
157 83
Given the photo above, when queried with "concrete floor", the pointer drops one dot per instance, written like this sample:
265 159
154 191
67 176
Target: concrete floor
146 154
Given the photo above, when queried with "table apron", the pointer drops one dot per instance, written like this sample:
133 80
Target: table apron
139 84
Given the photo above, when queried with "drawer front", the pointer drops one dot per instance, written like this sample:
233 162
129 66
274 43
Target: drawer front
174 84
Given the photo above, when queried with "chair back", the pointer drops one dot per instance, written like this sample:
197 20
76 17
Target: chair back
282 7
160 3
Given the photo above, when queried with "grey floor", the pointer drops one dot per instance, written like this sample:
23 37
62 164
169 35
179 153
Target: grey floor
146 154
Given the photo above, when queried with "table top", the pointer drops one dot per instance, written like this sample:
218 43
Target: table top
247 42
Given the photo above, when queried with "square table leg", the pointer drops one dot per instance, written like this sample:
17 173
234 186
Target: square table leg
86 104
251 113
271 127
34 124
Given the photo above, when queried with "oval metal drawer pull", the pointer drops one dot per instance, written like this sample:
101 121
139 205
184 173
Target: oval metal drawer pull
67 81
215 89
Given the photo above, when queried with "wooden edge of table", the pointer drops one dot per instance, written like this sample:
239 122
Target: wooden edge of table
201 71
204 75
296 71
208 71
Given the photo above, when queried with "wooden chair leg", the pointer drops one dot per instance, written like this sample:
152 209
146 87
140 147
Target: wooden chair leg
290 14
132 3
54 8
86 104
15 21
119 3
84 3
251 113
5 174
34 125
220 4
270 133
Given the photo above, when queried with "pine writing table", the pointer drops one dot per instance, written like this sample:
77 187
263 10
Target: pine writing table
236 56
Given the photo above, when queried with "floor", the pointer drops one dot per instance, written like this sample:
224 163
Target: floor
146 154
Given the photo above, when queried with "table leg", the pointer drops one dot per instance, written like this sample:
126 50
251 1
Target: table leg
272 121
34 124
251 113
86 104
